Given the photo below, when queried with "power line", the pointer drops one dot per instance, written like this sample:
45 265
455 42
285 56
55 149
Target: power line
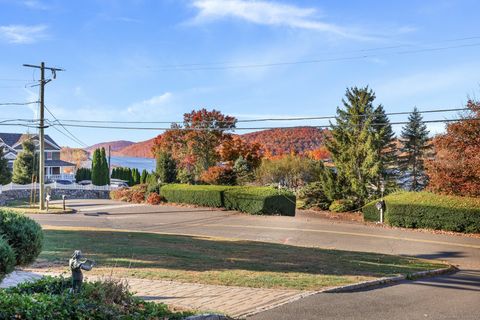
244 128
17 103
200 67
256 120
72 136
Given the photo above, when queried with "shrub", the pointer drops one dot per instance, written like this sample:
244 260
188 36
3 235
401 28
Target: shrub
313 196
254 200
209 196
49 298
428 210
154 198
260 200
219 175
342 205
23 234
7 258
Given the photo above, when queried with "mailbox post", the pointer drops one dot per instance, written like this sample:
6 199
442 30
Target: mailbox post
63 198
381 206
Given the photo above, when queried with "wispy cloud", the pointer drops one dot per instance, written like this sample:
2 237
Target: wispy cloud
269 13
23 34
35 4
150 105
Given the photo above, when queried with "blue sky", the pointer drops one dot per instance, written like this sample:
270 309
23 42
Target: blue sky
118 57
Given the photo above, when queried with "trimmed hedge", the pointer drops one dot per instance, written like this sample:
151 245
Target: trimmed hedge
254 200
260 200
428 210
23 234
201 195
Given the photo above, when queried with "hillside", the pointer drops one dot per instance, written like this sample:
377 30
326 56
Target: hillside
141 149
115 145
275 142
282 141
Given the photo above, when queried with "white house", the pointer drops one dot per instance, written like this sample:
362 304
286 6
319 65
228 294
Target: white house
55 169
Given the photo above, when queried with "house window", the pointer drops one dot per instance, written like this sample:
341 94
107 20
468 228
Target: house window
48 155
55 170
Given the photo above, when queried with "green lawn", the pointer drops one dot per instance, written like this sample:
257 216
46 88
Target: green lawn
222 261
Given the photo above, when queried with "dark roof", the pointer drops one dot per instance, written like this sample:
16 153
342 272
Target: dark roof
58 163
12 138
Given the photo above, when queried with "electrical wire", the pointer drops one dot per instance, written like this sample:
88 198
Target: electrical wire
244 128
255 120
70 134
17 103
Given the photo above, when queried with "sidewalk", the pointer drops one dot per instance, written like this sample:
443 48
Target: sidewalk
233 301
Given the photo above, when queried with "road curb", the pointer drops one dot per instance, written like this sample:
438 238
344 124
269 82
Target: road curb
357 286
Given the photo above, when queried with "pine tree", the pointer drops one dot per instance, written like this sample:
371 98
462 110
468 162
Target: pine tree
386 150
131 180
414 146
25 164
166 167
97 178
144 176
353 144
5 174
105 172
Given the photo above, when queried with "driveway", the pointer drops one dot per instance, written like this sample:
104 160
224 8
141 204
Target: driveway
455 296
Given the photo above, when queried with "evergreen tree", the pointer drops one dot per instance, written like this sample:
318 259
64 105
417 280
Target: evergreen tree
144 176
5 174
414 145
104 168
97 178
130 177
386 150
166 167
24 166
353 144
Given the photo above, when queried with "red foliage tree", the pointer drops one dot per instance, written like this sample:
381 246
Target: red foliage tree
221 175
455 168
233 148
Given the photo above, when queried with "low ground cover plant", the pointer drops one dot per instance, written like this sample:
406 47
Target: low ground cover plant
49 298
428 210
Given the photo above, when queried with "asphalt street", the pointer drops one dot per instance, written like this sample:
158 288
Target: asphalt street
455 296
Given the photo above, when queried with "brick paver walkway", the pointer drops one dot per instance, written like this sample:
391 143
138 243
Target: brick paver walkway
234 301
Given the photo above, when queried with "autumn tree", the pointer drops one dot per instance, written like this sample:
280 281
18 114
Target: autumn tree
74 155
414 139
455 168
194 144
354 144
25 166
235 147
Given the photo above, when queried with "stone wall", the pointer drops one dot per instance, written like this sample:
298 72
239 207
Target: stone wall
56 194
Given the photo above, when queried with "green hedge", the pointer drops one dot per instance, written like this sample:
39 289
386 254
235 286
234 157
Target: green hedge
428 210
254 200
201 195
49 298
23 234
260 200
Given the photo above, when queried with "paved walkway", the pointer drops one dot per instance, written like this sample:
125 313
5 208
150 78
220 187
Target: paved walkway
234 301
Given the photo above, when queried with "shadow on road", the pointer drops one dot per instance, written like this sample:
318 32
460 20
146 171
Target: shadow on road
442 255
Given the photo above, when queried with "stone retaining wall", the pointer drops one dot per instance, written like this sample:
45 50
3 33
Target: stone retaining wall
10 195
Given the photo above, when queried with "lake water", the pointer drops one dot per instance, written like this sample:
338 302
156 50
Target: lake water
129 162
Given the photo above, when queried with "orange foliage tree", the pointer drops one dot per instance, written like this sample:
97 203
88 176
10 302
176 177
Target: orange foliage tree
456 166
319 154
193 144
233 148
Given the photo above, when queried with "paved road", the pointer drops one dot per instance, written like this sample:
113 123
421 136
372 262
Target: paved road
454 296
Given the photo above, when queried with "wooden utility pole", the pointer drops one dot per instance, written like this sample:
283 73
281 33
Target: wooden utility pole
41 127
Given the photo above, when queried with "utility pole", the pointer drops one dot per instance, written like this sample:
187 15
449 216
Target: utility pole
41 135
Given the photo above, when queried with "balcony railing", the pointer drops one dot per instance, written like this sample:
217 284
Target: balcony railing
73 186
63 176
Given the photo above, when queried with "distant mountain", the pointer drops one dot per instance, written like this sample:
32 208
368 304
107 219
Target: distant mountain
283 141
114 145
274 141
141 149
